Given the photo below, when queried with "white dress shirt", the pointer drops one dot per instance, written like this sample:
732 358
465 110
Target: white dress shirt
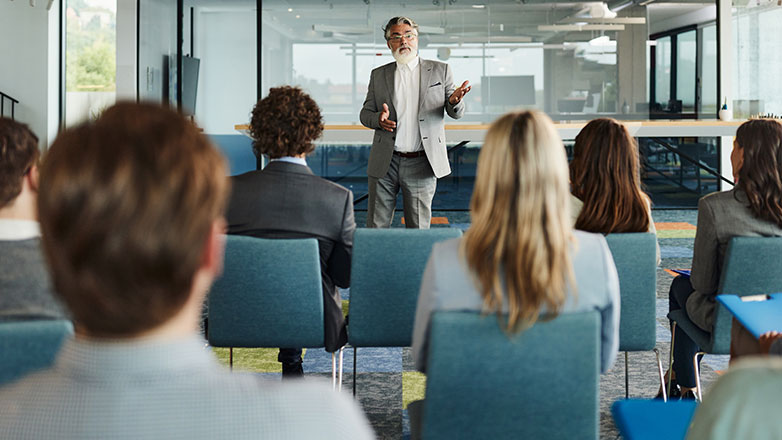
291 159
18 229
407 81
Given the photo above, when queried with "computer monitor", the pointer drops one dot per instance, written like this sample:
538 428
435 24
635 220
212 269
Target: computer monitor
508 91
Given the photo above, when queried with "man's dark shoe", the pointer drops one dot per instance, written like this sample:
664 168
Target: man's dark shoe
292 370
676 393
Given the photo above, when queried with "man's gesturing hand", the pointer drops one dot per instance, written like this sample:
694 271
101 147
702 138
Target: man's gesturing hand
385 123
459 93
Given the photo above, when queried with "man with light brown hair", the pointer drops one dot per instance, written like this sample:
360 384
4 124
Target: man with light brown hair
132 220
25 288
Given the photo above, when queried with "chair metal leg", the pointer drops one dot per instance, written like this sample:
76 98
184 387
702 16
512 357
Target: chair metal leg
334 370
341 356
231 357
662 375
354 372
627 378
670 359
698 375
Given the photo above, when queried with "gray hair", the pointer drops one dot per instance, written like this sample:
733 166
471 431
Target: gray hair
399 20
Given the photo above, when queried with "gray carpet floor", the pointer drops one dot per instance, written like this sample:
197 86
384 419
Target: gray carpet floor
380 373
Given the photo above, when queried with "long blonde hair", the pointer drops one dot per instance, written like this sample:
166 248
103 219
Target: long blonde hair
520 238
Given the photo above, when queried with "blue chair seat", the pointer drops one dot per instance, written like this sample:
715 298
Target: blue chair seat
269 295
27 346
385 279
702 338
483 383
638 419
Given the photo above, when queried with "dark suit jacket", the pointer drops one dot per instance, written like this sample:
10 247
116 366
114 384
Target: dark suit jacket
286 200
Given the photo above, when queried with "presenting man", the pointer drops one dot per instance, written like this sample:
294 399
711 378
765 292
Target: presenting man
405 103
132 220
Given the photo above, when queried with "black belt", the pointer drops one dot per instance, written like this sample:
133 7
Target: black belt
410 155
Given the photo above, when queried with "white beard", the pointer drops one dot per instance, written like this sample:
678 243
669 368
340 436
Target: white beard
406 57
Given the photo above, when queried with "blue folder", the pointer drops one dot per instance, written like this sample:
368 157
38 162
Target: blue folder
639 419
756 316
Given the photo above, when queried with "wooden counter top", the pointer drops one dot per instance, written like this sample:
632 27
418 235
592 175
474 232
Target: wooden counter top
358 134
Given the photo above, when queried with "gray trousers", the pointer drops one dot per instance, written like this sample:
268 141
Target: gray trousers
414 176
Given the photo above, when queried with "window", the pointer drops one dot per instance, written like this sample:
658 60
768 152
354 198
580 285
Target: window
90 51
757 59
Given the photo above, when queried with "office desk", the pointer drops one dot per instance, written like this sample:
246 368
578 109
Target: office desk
358 134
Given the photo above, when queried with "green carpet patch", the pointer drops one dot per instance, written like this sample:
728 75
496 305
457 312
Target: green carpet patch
413 387
676 233
255 360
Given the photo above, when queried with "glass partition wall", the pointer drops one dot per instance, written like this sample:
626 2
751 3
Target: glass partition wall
575 61
757 59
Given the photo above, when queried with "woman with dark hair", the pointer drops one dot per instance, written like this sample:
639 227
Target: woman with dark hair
606 183
752 208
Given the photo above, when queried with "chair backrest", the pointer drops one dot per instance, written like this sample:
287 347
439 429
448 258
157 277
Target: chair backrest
385 279
635 257
269 295
542 383
752 266
27 346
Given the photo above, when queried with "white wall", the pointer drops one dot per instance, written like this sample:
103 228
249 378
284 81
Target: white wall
126 51
29 70
157 39
225 43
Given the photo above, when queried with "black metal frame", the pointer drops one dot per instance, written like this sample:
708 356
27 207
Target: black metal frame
673 34
3 97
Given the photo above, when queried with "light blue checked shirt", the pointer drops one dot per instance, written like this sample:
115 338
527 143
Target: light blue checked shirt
167 390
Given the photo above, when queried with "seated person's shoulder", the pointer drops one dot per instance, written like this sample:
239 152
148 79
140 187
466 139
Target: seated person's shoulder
589 243
312 404
590 257
721 198
333 186
743 401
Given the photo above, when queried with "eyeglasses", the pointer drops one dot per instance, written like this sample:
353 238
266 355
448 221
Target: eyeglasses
397 38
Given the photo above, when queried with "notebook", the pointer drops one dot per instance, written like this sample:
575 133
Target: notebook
653 419
757 313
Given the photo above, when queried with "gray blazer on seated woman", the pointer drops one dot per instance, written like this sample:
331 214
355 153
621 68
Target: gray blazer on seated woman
521 255
752 208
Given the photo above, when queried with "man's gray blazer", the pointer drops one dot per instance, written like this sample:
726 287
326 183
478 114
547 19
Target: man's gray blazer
435 88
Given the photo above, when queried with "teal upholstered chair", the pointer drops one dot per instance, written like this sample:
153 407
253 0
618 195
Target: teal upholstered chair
635 257
27 346
537 384
385 279
269 295
752 266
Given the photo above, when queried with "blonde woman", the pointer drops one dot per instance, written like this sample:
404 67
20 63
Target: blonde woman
521 255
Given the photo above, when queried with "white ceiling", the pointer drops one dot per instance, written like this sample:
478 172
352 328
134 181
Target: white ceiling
453 21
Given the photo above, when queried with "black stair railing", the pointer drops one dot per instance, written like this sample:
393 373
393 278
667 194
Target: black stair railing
11 101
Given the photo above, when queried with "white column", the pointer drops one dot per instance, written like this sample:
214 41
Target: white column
725 47
127 69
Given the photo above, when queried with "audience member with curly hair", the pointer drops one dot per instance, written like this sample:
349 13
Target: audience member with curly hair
286 200
25 288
